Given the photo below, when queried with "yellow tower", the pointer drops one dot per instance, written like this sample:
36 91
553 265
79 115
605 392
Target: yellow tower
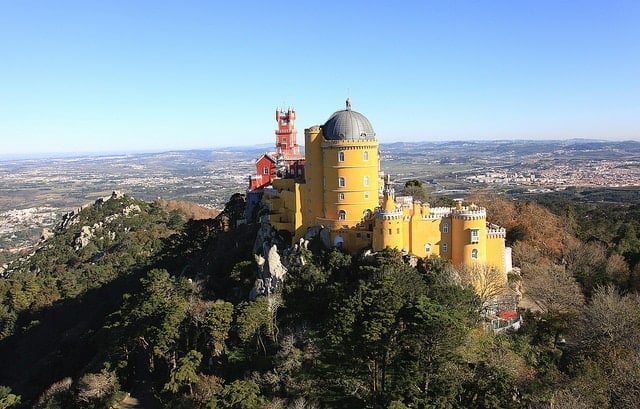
350 169
388 229
468 234
312 191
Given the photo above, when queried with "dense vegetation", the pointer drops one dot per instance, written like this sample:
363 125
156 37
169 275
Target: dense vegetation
157 305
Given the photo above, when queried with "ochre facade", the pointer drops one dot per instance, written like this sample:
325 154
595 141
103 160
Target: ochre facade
342 190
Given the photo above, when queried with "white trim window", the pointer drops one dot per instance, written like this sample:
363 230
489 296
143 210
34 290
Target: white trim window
341 156
474 254
342 182
366 181
445 228
342 215
365 155
475 236
445 247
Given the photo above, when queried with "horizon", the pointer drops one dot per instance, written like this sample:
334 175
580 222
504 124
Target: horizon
37 156
149 76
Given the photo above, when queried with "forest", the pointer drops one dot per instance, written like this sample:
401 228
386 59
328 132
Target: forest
134 299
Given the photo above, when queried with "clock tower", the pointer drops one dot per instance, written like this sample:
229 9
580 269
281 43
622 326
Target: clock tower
286 144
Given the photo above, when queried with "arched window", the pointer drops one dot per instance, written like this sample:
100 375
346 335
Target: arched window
341 196
341 156
342 215
427 248
445 247
366 180
365 155
445 227
474 254
342 181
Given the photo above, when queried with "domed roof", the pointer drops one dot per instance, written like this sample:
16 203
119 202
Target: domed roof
347 124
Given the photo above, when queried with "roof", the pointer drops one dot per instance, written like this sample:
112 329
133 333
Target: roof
347 124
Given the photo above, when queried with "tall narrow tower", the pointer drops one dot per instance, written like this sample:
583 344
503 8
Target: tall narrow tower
349 183
286 144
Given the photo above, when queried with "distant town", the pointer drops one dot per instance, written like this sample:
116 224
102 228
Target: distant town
593 173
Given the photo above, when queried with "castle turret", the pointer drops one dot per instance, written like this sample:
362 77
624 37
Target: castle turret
389 228
468 234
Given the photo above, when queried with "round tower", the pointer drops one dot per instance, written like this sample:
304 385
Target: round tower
350 168
468 234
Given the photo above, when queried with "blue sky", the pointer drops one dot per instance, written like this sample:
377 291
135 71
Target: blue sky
153 75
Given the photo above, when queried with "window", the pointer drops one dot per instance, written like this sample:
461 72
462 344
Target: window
427 248
445 247
398 230
390 231
341 196
475 236
366 180
342 215
365 155
340 156
265 170
445 227
368 235
341 181
474 254
366 195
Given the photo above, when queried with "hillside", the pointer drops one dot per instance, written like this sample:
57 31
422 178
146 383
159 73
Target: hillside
136 297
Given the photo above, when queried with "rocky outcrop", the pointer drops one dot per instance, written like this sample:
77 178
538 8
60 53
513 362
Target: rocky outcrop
270 270
83 238
321 232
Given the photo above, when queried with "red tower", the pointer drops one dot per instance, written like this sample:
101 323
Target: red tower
286 133
286 161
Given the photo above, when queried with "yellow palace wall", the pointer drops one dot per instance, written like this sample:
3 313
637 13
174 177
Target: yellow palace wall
495 252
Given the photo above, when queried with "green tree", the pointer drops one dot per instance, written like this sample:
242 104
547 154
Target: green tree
238 395
162 307
218 320
415 189
185 373
8 399
255 320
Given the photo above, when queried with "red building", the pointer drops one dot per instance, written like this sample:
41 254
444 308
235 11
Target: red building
286 160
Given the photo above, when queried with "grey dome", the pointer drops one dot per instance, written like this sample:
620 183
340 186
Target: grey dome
347 124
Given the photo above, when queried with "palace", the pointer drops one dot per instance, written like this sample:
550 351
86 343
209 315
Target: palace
337 186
